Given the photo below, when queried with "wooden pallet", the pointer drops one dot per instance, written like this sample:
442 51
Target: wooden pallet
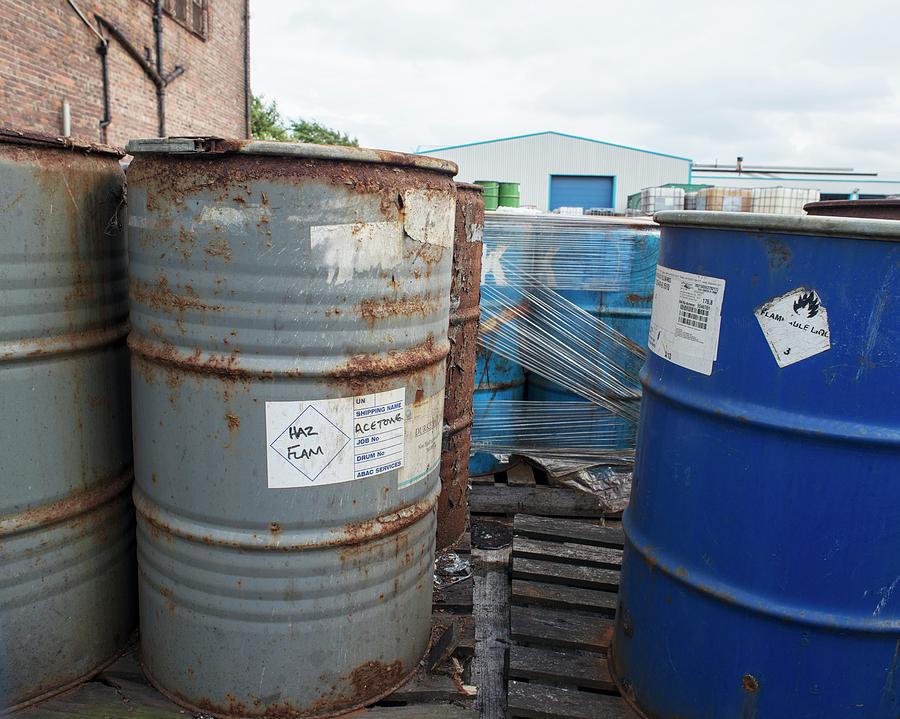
564 578
524 489
437 691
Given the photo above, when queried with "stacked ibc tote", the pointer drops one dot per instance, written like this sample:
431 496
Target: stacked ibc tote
568 300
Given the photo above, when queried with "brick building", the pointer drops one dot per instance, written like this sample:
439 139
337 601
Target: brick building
49 56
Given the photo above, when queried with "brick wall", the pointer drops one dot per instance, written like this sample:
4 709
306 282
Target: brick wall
47 55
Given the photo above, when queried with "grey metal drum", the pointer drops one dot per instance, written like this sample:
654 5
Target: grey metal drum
67 570
289 309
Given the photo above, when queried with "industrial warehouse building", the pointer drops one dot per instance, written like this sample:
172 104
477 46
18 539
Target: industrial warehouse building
558 170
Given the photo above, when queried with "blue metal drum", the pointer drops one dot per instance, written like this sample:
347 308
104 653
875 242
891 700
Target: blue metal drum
762 565
496 379
625 309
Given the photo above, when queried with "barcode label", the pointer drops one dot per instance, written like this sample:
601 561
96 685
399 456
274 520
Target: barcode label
684 326
691 315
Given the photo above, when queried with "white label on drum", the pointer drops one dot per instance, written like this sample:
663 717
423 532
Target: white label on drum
684 322
424 435
335 440
795 325
429 216
344 250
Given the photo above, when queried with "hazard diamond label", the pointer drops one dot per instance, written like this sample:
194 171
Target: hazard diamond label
310 443
326 441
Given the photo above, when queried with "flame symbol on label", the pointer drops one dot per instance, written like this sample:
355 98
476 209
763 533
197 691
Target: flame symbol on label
809 301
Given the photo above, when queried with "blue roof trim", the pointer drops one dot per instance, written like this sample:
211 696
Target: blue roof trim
848 181
559 134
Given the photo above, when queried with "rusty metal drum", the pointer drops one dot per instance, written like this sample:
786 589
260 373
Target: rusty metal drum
67 570
876 209
460 379
290 306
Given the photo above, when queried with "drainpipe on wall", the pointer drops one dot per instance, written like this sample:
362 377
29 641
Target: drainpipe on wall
102 50
154 73
248 116
66 119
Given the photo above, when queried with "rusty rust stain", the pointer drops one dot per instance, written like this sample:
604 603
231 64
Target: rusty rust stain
173 178
374 678
71 508
185 243
26 137
460 373
218 247
635 299
376 310
145 353
161 297
362 533
167 595
362 367
234 422
779 254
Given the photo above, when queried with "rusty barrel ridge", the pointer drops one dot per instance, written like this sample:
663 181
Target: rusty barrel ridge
67 572
290 306
881 209
760 576
460 379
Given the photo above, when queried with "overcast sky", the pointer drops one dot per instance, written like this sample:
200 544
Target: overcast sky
791 82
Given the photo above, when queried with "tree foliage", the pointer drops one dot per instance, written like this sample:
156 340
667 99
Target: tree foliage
265 120
312 131
267 124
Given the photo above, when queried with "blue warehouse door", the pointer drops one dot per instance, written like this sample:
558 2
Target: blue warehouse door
581 191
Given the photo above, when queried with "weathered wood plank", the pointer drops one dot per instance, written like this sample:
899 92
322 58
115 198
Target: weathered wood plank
552 501
571 530
464 545
491 615
455 597
418 711
554 628
520 475
95 700
569 667
482 479
537 701
560 596
567 553
464 632
424 687
571 574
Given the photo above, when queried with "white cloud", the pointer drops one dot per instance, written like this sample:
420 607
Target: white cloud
778 82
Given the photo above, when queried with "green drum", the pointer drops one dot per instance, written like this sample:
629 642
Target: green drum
491 193
508 194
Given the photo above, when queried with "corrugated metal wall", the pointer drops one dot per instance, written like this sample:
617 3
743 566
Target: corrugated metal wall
530 160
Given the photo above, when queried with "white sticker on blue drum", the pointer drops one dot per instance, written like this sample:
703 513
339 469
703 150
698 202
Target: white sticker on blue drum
685 319
795 325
